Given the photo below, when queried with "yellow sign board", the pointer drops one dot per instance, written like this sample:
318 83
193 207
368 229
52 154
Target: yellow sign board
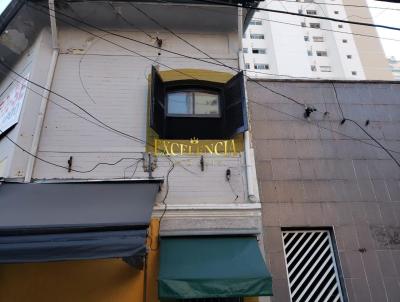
195 147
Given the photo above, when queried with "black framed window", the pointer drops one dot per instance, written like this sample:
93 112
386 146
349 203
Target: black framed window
200 109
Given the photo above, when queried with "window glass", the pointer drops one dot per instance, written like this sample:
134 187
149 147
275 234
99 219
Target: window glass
255 22
206 103
315 25
318 39
321 53
259 50
193 103
261 66
311 12
180 103
257 36
325 68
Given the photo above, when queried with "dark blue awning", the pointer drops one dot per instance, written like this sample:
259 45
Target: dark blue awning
43 222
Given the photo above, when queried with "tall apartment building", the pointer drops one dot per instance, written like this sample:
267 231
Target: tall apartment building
295 46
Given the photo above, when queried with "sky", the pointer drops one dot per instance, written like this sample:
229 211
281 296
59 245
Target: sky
3 4
387 17
380 16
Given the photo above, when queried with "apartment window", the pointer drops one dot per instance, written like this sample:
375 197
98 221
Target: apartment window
349 56
318 39
303 24
255 22
315 25
311 266
259 51
322 53
309 53
245 50
313 68
354 72
325 68
257 36
261 66
344 40
340 26
306 38
184 109
308 1
336 12
247 65
311 12
193 103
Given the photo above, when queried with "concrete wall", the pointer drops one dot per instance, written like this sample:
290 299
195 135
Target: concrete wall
319 173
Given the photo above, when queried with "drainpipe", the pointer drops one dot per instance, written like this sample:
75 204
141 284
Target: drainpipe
43 104
252 190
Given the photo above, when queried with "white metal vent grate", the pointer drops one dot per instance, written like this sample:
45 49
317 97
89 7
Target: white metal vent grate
311 267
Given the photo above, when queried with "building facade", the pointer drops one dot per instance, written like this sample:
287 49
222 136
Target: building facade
394 66
330 195
285 46
120 140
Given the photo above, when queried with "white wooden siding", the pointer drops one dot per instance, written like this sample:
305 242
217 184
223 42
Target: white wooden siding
116 81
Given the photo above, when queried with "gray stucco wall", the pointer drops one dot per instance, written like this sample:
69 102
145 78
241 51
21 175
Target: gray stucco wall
319 173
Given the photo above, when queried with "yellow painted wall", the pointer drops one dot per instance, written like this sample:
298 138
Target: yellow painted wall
83 281
76 281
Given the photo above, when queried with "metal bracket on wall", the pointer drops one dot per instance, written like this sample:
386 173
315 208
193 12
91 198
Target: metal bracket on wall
149 163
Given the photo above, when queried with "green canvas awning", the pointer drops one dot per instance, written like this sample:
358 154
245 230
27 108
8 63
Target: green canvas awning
206 267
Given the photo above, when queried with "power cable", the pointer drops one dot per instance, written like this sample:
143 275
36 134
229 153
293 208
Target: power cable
5 89
362 129
302 15
143 43
210 63
147 44
287 97
286 23
128 22
343 5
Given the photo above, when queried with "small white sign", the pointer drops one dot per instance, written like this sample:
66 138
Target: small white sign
11 104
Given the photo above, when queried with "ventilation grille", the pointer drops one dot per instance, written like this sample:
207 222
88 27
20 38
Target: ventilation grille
311 267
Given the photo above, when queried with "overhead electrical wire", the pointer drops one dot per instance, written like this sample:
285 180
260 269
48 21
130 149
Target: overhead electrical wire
362 129
301 15
129 22
287 23
210 62
341 5
287 97
138 41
